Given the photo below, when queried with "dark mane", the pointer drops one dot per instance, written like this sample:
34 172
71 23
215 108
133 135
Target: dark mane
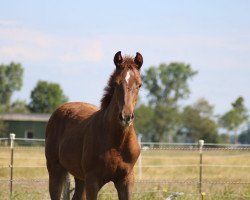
128 63
108 92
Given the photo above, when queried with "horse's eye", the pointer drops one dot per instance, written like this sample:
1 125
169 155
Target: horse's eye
139 85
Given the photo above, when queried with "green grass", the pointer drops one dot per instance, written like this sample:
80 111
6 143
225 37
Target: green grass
179 174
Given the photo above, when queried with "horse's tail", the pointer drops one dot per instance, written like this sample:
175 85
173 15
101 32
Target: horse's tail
66 187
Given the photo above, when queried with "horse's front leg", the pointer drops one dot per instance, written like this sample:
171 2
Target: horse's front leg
124 187
92 186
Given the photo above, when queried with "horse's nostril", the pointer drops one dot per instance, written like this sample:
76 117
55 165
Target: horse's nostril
121 117
126 118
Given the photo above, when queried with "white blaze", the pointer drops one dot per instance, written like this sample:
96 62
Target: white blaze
127 76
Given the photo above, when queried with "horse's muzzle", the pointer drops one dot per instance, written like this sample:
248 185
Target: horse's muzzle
126 119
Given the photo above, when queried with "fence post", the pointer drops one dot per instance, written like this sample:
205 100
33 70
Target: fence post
140 159
12 140
201 144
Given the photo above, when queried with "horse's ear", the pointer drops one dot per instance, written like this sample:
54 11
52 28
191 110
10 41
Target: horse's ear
118 59
138 60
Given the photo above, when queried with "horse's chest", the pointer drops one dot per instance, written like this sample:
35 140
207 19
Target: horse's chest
118 163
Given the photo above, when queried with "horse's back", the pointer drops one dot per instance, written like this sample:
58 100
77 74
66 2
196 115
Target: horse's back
73 112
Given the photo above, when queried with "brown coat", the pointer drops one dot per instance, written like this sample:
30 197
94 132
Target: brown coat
96 145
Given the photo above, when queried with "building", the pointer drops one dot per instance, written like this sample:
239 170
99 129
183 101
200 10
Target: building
26 125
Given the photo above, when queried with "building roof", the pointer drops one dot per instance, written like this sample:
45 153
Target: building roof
25 117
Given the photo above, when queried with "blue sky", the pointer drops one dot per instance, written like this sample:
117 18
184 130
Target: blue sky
73 43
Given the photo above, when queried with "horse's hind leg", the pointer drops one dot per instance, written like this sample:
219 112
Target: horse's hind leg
57 177
79 190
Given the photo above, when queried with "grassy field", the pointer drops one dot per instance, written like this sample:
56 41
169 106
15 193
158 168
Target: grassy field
226 175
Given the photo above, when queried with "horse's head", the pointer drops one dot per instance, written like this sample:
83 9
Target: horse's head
127 84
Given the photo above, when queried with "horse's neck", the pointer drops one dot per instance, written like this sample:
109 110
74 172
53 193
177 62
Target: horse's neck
116 134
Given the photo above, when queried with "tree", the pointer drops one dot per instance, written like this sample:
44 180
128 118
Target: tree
198 122
166 121
19 106
151 122
143 123
46 97
235 117
166 85
244 137
11 79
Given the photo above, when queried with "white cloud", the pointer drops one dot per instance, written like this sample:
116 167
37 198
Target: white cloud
22 43
88 51
21 52
7 23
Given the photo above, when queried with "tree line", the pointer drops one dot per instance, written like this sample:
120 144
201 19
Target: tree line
162 118
44 98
